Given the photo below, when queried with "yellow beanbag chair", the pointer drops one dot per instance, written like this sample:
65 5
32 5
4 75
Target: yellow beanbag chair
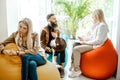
10 68
100 63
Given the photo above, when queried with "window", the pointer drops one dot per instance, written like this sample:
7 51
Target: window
105 5
36 10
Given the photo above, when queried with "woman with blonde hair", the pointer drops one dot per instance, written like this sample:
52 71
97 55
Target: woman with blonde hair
27 43
97 39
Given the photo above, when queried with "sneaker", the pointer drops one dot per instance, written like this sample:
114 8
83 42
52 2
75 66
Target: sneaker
74 74
58 66
71 68
62 73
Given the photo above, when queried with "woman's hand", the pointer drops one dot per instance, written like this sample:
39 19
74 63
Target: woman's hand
80 38
9 52
13 53
21 53
82 42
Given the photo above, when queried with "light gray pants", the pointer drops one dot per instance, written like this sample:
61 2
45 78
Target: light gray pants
77 51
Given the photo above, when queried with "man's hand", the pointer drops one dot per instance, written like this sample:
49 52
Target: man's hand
48 49
54 34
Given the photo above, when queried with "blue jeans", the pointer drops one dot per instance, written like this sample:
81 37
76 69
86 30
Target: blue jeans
29 65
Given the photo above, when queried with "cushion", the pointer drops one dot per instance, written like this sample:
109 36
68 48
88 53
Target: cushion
10 67
100 63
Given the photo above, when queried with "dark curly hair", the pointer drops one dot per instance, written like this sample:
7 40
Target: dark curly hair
49 15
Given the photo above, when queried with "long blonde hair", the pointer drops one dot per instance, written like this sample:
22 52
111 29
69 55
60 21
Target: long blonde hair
28 23
98 13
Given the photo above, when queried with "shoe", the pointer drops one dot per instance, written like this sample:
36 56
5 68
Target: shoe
71 68
74 74
58 66
62 73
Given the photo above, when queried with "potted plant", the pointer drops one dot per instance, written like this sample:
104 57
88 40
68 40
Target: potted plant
75 10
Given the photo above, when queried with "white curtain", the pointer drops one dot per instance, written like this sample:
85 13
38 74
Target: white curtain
116 33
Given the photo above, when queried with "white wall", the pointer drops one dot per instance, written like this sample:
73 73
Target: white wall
12 15
12 11
36 10
8 18
3 20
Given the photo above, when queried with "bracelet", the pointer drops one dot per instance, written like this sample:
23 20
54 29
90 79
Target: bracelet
17 53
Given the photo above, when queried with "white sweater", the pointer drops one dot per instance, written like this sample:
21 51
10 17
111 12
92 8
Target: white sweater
99 35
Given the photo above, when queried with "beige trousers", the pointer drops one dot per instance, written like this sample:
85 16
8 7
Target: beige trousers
77 51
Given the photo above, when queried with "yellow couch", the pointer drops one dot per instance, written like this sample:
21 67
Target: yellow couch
10 69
